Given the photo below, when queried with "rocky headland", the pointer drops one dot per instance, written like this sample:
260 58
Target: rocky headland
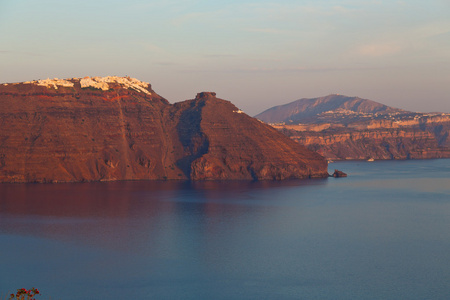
351 128
118 128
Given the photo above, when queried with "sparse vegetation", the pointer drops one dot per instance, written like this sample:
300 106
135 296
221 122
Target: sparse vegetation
24 294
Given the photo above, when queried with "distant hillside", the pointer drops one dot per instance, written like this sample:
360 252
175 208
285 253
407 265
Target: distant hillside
347 128
314 109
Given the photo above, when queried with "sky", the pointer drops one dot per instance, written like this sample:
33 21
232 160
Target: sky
257 54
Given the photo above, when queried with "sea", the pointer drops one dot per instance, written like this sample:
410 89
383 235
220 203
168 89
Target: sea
383 232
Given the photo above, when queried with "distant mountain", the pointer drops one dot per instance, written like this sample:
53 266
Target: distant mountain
118 128
316 109
351 128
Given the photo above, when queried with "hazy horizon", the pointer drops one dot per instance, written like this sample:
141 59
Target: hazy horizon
257 54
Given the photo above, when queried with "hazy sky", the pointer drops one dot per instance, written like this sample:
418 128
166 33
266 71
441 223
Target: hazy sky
255 53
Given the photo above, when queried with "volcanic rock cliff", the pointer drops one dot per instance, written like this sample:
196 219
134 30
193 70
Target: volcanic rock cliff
118 128
345 128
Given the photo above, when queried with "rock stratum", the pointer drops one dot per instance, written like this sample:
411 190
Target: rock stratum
351 128
118 128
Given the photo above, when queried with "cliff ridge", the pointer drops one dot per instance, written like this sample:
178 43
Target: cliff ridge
118 128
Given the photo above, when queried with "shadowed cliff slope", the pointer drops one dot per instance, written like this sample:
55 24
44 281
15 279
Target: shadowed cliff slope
115 128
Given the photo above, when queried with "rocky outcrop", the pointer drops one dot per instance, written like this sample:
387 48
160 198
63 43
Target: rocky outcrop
118 128
338 174
235 145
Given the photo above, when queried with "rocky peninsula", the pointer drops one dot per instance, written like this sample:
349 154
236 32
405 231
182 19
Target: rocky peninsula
118 128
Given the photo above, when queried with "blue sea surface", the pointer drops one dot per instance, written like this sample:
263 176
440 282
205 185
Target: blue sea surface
381 233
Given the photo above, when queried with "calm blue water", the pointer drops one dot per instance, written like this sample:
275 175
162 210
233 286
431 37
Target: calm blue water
381 233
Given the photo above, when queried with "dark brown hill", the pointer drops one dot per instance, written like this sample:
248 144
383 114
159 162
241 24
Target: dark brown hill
310 110
116 128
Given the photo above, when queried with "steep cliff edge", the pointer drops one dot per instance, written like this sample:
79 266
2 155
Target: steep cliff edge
410 142
346 128
79 132
237 145
118 128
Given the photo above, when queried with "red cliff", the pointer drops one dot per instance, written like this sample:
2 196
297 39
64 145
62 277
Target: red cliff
116 128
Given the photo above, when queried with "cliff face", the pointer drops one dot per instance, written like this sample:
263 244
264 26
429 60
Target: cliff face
235 145
77 134
383 143
344 128
116 128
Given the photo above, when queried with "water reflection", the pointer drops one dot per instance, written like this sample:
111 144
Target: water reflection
130 216
367 236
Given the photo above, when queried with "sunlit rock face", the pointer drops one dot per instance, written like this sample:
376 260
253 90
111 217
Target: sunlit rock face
346 128
118 128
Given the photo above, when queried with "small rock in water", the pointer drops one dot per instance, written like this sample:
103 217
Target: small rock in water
338 173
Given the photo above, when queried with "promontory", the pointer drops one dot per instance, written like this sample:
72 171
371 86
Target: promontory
118 128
